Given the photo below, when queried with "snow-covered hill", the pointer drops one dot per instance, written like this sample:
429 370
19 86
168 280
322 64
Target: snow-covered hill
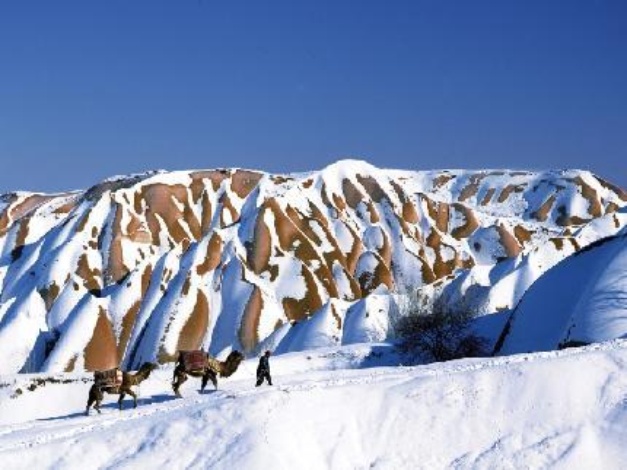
139 266
341 409
581 300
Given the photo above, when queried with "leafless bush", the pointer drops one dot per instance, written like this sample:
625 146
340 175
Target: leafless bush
436 331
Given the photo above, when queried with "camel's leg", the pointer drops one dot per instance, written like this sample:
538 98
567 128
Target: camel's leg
134 395
181 377
95 398
122 395
99 398
205 378
176 376
91 399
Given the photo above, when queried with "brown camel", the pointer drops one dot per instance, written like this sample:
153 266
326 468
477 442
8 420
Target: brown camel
129 379
209 369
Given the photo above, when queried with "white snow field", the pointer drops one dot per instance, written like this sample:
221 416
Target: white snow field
339 408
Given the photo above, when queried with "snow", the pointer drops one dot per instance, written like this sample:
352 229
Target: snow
368 319
322 329
341 280
367 264
502 285
485 246
62 258
75 334
342 398
374 238
23 322
345 408
582 299
343 236
235 294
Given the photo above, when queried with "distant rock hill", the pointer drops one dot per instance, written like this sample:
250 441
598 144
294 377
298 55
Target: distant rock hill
139 266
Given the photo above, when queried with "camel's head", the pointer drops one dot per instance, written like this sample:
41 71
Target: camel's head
231 364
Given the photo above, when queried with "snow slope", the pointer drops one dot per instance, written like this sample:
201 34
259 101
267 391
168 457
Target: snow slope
581 300
341 409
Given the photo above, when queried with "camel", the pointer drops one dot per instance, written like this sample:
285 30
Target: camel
129 379
209 368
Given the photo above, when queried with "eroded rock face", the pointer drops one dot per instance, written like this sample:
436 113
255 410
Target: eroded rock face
226 258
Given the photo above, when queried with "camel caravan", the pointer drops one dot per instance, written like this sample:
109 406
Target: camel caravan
189 363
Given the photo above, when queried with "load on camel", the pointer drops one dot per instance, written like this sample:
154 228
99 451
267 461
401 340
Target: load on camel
201 364
116 382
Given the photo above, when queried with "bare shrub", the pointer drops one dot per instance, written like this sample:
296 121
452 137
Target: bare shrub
436 331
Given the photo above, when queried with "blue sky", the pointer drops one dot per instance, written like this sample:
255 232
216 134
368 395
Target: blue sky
90 89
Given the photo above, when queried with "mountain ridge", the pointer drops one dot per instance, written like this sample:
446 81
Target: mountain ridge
138 266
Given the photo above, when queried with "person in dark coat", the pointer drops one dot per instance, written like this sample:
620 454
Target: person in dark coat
263 369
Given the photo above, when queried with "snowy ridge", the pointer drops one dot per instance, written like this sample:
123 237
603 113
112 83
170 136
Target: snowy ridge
139 266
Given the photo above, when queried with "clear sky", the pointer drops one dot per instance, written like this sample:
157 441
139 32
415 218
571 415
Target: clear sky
91 89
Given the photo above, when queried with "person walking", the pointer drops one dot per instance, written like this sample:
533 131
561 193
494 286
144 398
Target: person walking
263 369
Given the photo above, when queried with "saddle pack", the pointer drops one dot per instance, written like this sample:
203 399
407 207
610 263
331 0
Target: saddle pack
108 378
193 360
